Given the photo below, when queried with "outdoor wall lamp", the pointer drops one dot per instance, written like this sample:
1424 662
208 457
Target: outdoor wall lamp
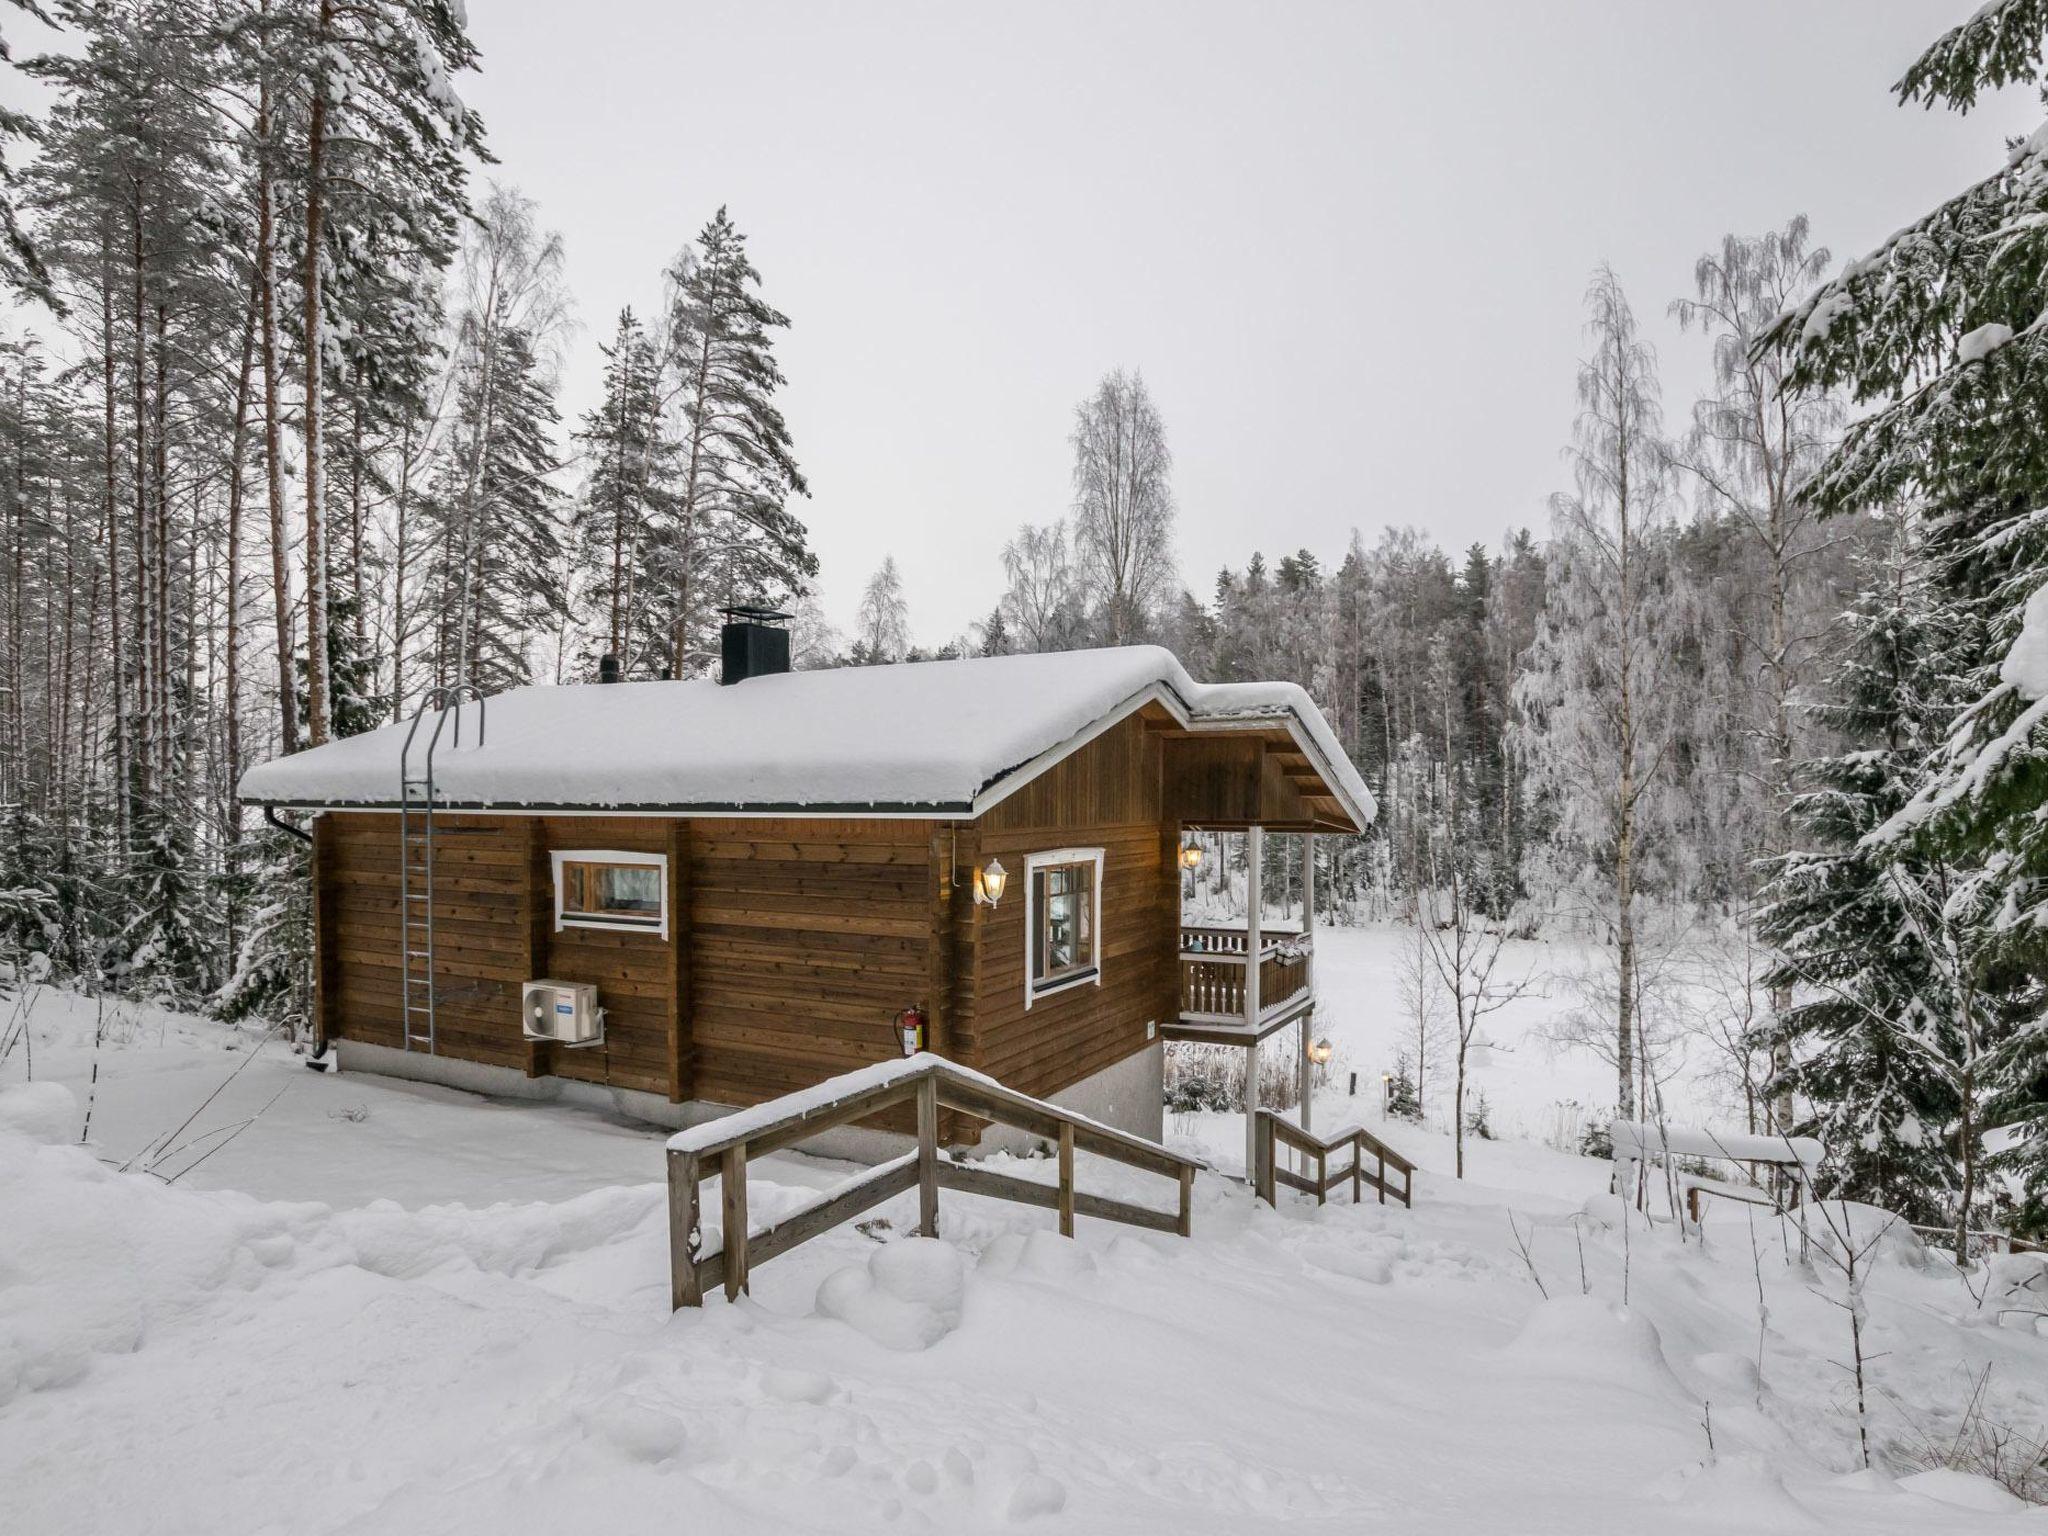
1320 1051
989 881
1191 856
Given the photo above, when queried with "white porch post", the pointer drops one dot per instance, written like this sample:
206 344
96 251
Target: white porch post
1308 932
1254 856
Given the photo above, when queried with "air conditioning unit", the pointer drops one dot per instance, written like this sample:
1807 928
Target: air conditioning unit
563 1012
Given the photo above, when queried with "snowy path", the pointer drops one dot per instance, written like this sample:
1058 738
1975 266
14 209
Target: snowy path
333 1326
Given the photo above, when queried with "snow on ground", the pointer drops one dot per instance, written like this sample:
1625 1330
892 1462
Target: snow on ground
381 1308
1532 1088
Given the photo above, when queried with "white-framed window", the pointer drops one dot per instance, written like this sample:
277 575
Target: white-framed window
606 888
1062 921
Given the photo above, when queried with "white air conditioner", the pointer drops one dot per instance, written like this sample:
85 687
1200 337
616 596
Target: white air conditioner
564 1012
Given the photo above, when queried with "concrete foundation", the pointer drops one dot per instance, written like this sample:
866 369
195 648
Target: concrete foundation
1129 1095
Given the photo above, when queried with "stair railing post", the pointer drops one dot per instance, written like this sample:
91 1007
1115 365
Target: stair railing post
1254 900
733 1202
1066 1178
928 1155
685 1288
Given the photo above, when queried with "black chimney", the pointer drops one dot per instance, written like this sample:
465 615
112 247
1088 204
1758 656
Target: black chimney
754 643
607 668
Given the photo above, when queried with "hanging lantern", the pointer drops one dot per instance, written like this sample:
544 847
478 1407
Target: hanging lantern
1191 855
989 881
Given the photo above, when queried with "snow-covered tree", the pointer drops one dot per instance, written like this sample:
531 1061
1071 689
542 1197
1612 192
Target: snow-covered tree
1872 1046
628 493
733 537
1938 332
494 562
1123 506
884 621
1596 693
1041 604
1753 445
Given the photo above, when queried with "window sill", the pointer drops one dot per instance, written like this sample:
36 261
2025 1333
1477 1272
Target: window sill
1091 976
653 926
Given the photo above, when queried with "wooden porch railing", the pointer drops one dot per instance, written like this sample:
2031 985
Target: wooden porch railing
1212 971
724 1147
1274 1131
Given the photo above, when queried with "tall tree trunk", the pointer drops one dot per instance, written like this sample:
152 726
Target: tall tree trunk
273 424
231 824
317 699
145 628
1626 790
110 511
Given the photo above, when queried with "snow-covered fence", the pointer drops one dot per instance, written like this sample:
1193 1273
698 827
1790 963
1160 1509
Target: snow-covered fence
1639 1142
723 1148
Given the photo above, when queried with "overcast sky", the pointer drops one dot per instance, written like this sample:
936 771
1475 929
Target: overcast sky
1346 244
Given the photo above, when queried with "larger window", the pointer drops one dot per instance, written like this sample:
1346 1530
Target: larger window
601 889
1062 920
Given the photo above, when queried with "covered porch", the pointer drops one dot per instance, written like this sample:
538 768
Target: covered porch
1243 982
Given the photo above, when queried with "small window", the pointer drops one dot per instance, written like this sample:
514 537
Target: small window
599 889
1063 897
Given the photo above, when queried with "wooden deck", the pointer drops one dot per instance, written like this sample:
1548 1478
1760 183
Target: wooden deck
1214 963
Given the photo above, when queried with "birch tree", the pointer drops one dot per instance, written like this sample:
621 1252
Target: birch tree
1600 721
1123 505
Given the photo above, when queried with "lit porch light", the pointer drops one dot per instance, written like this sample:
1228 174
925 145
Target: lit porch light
989 881
1320 1051
1191 855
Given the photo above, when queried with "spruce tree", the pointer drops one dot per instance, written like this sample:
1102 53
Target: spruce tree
1871 1042
1938 332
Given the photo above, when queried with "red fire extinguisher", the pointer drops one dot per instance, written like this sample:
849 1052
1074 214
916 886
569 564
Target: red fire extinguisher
910 1029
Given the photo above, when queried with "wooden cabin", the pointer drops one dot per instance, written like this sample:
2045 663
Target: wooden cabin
758 876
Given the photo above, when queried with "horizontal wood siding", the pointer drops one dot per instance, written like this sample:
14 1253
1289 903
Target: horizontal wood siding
493 932
1106 795
481 943
807 937
633 972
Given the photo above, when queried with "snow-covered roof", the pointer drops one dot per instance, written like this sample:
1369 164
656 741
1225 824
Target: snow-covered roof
1633 1138
935 737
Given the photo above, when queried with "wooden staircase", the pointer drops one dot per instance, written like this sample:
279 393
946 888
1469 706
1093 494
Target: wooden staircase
1274 1131
724 1147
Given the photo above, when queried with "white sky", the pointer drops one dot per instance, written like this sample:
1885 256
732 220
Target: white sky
1345 243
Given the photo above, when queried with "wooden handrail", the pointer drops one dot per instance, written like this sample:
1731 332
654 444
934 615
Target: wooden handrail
1274 1130
725 1147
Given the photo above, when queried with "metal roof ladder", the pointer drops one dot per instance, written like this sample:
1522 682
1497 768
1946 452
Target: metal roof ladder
416 859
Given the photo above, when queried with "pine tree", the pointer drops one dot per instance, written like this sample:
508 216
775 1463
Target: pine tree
629 493
492 522
21 264
1938 332
384 121
733 537
1870 1046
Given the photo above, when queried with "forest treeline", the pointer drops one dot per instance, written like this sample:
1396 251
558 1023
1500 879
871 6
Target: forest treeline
281 449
